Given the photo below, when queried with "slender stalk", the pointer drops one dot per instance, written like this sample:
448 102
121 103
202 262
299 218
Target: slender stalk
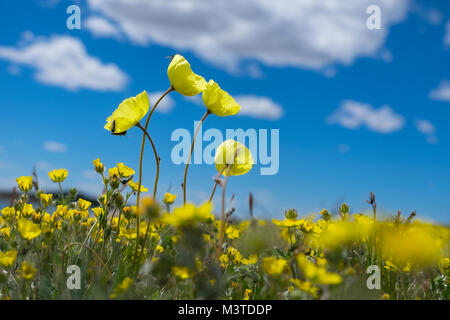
222 225
155 187
216 183
190 154
141 157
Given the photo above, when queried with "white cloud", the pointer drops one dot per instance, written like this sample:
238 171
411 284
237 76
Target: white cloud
300 33
166 104
428 129
100 27
442 93
53 146
43 165
89 174
353 115
64 62
447 34
259 107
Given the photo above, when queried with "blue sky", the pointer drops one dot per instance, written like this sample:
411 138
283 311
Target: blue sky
358 110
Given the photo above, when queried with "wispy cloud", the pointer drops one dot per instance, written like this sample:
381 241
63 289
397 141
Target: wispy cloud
53 146
442 93
447 34
259 107
165 106
299 33
64 62
354 115
101 27
428 129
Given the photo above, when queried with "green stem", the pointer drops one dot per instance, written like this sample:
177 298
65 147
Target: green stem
190 154
141 157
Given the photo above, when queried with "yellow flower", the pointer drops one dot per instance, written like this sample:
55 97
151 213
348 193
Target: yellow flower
189 214
46 199
183 79
27 210
218 101
159 249
58 175
124 171
315 273
7 258
5 232
8 212
288 223
169 198
27 271
135 186
306 286
25 183
128 114
98 211
122 287
247 294
224 261
99 167
181 272
252 259
28 230
83 205
274 266
233 158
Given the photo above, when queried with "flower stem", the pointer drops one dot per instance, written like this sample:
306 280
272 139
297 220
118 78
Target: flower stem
156 159
190 154
222 224
140 165
216 183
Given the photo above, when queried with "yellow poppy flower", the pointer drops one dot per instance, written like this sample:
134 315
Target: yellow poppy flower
124 171
7 258
234 154
128 114
25 183
183 79
58 175
169 198
27 271
218 101
28 230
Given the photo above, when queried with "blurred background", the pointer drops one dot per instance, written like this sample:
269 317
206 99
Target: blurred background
359 109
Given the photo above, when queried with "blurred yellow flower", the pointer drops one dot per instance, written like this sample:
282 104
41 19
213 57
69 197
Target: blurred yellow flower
306 286
27 271
99 167
58 175
28 230
83 205
8 258
122 287
218 101
25 183
183 79
252 259
169 198
189 214
135 186
46 199
27 210
233 158
128 114
247 294
5 232
8 212
181 272
315 273
274 266
98 211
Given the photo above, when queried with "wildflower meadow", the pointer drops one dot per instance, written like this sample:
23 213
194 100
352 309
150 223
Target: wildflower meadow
130 244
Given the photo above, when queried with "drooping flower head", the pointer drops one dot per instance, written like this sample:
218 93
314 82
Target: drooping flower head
235 156
183 79
58 175
169 198
25 183
28 230
128 114
218 101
